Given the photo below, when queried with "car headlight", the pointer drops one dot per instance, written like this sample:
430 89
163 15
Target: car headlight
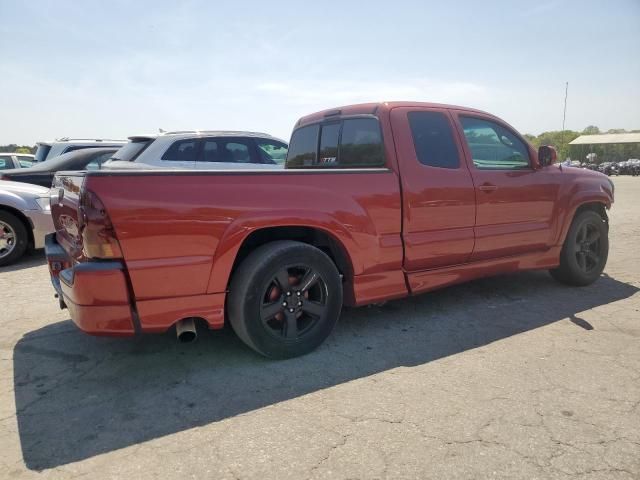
44 203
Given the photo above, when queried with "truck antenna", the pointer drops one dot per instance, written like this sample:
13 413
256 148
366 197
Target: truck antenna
564 115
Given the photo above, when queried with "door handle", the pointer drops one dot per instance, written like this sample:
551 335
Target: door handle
488 187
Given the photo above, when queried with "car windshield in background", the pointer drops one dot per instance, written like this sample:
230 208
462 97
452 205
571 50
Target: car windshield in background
42 152
131 150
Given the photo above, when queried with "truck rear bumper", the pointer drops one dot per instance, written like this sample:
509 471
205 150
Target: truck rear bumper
95 293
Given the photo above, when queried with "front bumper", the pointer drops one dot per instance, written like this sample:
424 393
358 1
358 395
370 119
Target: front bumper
95 293
42 224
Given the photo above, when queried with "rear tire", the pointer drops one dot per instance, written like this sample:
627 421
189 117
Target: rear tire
284 299
14 238
585 250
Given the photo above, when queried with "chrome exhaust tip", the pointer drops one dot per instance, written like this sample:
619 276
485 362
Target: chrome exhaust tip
186 330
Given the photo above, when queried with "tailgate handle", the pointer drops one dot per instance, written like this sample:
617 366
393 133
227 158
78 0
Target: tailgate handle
488 187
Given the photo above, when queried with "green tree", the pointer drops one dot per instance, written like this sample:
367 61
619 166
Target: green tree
591 130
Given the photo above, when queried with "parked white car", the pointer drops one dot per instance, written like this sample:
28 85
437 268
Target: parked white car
25 219
202 150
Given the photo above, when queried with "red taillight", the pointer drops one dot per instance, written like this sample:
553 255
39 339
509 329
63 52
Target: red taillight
98 235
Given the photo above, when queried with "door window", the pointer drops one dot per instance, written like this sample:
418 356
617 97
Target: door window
236 152
181 151
226 150
210 151
433 139
493 147
6 162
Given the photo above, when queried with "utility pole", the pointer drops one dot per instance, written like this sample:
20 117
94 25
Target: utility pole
564 115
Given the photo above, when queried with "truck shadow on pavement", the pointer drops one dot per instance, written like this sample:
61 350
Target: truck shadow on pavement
79 396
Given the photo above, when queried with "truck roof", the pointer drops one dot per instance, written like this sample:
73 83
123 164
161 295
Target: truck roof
373 108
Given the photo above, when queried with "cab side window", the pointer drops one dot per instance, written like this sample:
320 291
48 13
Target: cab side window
433 139
493 147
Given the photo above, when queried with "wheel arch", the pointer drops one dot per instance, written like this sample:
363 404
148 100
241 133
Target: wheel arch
317 237
24 219
596 205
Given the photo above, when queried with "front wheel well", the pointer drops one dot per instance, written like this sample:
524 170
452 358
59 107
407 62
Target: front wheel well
309 235
597 207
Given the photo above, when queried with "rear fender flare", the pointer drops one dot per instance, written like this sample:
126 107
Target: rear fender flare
238 231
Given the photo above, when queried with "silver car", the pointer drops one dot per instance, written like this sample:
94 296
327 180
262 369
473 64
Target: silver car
202 150
25 218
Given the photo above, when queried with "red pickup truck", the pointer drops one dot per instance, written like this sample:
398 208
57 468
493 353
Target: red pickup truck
377 201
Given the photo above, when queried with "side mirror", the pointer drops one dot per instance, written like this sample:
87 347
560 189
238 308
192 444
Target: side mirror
547 155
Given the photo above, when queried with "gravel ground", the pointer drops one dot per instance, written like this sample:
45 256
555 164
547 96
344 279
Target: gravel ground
508 377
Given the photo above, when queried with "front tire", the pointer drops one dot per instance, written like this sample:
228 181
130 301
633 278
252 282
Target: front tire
14 239
285 299
585 250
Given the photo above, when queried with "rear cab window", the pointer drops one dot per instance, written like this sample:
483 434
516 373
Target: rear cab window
346 143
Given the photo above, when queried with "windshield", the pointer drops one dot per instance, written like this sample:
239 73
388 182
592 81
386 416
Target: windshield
42 152
131 150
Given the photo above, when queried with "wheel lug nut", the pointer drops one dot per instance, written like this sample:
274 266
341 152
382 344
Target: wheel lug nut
298 293
284 304
299 304
288 294
291 310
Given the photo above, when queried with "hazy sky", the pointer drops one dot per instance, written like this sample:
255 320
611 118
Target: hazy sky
119 68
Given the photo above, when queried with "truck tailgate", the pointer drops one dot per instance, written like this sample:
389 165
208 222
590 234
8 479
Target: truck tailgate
65 210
